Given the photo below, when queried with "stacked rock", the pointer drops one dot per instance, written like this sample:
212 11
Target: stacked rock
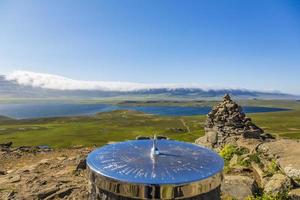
227 120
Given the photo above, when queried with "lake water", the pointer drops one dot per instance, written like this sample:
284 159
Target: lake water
25 111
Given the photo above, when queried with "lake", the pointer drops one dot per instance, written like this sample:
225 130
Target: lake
37 110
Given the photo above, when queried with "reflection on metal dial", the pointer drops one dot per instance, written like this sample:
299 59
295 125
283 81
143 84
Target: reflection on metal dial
177 162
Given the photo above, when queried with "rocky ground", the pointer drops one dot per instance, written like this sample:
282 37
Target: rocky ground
256 165
262 169
34 173
42 173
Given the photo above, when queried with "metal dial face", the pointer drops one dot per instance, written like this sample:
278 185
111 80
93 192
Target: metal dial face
177 162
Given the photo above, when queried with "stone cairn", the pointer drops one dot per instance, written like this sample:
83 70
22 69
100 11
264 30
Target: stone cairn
227 122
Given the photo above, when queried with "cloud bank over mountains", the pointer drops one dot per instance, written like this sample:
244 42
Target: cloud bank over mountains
26 84
49 81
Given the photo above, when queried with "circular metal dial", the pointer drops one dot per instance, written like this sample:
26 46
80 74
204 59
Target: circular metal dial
176 163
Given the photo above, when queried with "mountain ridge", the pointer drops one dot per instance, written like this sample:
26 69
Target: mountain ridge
13 89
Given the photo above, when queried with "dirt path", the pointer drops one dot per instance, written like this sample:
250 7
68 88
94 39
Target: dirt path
185 125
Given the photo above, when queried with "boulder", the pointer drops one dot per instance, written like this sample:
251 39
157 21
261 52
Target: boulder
80 163
211 135
286 152
252 134
140 137
203 142
258 175
278 184
159 137
238 187
294 194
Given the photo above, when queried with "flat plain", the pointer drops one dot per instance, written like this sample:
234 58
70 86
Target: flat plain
99 129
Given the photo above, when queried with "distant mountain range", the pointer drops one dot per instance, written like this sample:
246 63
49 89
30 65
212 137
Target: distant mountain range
33 85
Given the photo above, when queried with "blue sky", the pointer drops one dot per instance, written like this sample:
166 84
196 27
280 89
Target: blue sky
252 44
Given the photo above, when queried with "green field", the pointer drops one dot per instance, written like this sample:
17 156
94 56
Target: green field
97 130
62 132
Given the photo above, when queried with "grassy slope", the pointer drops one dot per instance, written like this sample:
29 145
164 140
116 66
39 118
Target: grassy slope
122 125
96 130
283 124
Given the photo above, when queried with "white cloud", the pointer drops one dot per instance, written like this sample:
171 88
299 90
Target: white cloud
49 81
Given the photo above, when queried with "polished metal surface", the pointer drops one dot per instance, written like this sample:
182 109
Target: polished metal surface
174 170
165 191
